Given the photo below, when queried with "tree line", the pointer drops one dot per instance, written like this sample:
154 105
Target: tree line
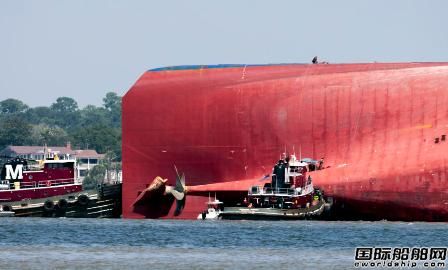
63 121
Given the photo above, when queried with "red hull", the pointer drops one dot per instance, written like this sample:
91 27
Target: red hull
37 193
375 124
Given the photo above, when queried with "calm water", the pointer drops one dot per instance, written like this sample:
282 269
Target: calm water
37 243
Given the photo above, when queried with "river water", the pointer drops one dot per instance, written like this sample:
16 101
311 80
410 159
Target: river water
44 243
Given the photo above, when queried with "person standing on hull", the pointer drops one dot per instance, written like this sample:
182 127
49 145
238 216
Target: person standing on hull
321 163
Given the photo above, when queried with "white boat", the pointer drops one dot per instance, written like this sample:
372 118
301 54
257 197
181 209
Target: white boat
214 210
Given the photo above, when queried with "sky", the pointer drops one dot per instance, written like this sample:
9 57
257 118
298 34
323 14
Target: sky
84 49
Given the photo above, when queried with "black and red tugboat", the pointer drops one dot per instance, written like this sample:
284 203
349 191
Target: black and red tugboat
26 180
52 188
290 195
38 187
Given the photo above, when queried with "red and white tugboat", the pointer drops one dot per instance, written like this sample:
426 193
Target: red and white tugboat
25 181
290 195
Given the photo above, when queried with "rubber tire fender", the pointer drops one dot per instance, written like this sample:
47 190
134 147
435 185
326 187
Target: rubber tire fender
83 199
48 205
62 204
7 207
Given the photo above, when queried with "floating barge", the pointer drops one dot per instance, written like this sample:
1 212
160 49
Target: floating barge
102 203
246 213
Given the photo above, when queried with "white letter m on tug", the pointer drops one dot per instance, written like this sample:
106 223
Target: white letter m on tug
14 174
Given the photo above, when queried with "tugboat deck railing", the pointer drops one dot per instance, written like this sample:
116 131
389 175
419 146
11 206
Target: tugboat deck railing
7 185
258 191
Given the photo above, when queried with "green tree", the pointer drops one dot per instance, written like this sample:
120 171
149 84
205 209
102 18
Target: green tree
116 147
11 106
14 130
50 135
99 137
92 127
112 103
64 105
92 115
65 113
39 115
94 177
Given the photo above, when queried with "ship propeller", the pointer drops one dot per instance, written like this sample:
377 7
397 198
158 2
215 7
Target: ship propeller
159 187
178 192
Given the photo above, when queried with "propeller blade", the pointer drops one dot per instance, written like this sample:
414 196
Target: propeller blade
179 192
178 195
180 204
182 180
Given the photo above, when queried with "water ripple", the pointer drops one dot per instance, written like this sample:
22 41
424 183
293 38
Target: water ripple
38 243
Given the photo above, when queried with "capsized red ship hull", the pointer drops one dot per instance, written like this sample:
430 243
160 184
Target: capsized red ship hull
379 126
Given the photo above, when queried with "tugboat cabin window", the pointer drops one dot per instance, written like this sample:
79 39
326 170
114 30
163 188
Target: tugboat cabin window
59 165
255 189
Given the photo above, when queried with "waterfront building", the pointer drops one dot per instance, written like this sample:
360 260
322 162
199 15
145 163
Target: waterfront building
86 158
